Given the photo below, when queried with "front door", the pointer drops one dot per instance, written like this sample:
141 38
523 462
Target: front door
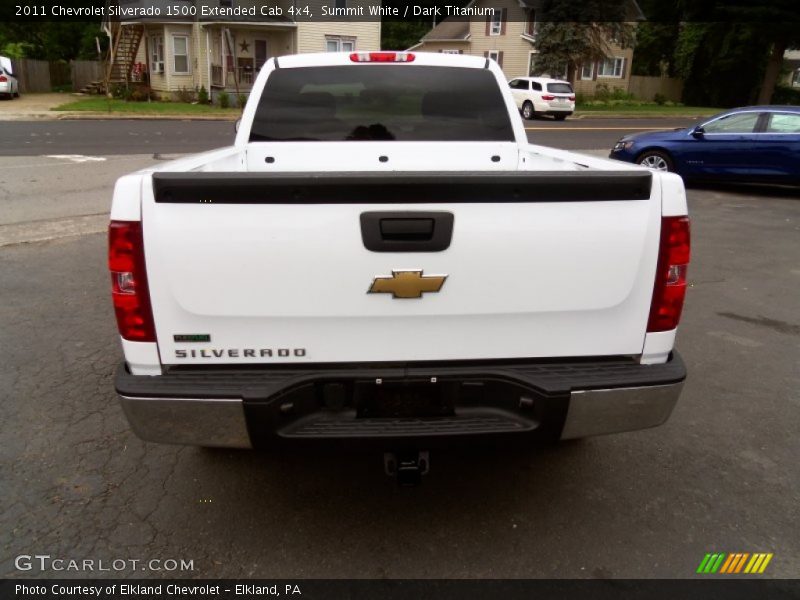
261 53
723 148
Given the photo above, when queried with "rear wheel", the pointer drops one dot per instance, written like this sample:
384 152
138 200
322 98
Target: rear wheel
527 110
656 160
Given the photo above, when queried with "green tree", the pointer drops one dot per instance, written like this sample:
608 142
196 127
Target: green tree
721 63
569 33
53 40
399 35
749 39
656 38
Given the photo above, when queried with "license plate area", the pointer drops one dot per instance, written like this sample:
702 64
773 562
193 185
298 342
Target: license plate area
406 398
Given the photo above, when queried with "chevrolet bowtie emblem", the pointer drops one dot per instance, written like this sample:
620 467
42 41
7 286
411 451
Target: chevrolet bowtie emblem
407 284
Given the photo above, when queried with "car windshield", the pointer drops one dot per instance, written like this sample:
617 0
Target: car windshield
559 88
381 102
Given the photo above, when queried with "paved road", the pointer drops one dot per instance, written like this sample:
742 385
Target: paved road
103 138
721 475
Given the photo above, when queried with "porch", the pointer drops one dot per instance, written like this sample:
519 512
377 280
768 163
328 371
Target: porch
236 54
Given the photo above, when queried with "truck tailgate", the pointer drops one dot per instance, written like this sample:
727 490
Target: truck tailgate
255 268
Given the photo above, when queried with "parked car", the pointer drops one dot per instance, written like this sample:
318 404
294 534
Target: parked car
759 144
543 96
9 86
348 272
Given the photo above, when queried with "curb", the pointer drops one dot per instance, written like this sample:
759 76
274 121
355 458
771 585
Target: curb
100 116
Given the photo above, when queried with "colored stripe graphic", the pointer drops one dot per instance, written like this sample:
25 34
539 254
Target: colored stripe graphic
727 564
711 563
734 563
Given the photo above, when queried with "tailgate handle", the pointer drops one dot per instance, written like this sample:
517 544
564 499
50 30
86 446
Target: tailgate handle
418 229
406 231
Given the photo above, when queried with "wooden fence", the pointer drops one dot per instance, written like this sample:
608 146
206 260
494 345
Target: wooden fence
42 76
645 88
33 75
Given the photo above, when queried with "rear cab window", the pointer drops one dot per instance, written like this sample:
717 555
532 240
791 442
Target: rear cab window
381 103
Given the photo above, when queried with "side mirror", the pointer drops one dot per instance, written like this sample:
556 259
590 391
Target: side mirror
236 125
698 132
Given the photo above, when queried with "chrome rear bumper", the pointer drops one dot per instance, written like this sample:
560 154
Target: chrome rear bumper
546 403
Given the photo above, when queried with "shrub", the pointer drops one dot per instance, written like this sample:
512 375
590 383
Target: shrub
660 99
224 99
601 92
141 93
241 100
202 95
184 95
120 91
786 95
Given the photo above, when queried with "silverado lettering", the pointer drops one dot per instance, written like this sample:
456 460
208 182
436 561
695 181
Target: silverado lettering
244 353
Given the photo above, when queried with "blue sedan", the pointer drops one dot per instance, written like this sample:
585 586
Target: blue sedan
759 144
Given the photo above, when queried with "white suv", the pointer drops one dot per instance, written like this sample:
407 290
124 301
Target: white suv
543 96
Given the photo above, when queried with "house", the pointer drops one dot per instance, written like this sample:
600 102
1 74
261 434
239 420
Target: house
509 37
791 63
226 51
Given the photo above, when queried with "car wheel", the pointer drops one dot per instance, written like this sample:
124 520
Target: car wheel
656 160
559 117
527 110
16 94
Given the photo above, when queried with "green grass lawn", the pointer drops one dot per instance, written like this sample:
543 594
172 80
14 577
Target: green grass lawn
100 104
647 110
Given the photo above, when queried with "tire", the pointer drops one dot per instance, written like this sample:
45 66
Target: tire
16 94
528 112
559 117
656 160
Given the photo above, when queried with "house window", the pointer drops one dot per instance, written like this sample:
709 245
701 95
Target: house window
796 78
180 53
494 55
610 67
530 24
156 53
587 70
496 24
339 44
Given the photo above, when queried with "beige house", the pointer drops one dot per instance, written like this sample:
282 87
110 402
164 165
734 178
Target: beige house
509 37
226 54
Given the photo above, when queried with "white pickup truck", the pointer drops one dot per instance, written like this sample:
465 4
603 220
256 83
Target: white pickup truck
383 258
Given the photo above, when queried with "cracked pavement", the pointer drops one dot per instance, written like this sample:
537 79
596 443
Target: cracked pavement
721 475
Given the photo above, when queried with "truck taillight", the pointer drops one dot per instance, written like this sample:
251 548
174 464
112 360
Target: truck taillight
382 57
572 98
129 281
670 285
548 97
3 78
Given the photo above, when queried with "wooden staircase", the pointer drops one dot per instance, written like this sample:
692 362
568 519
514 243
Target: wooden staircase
125 40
